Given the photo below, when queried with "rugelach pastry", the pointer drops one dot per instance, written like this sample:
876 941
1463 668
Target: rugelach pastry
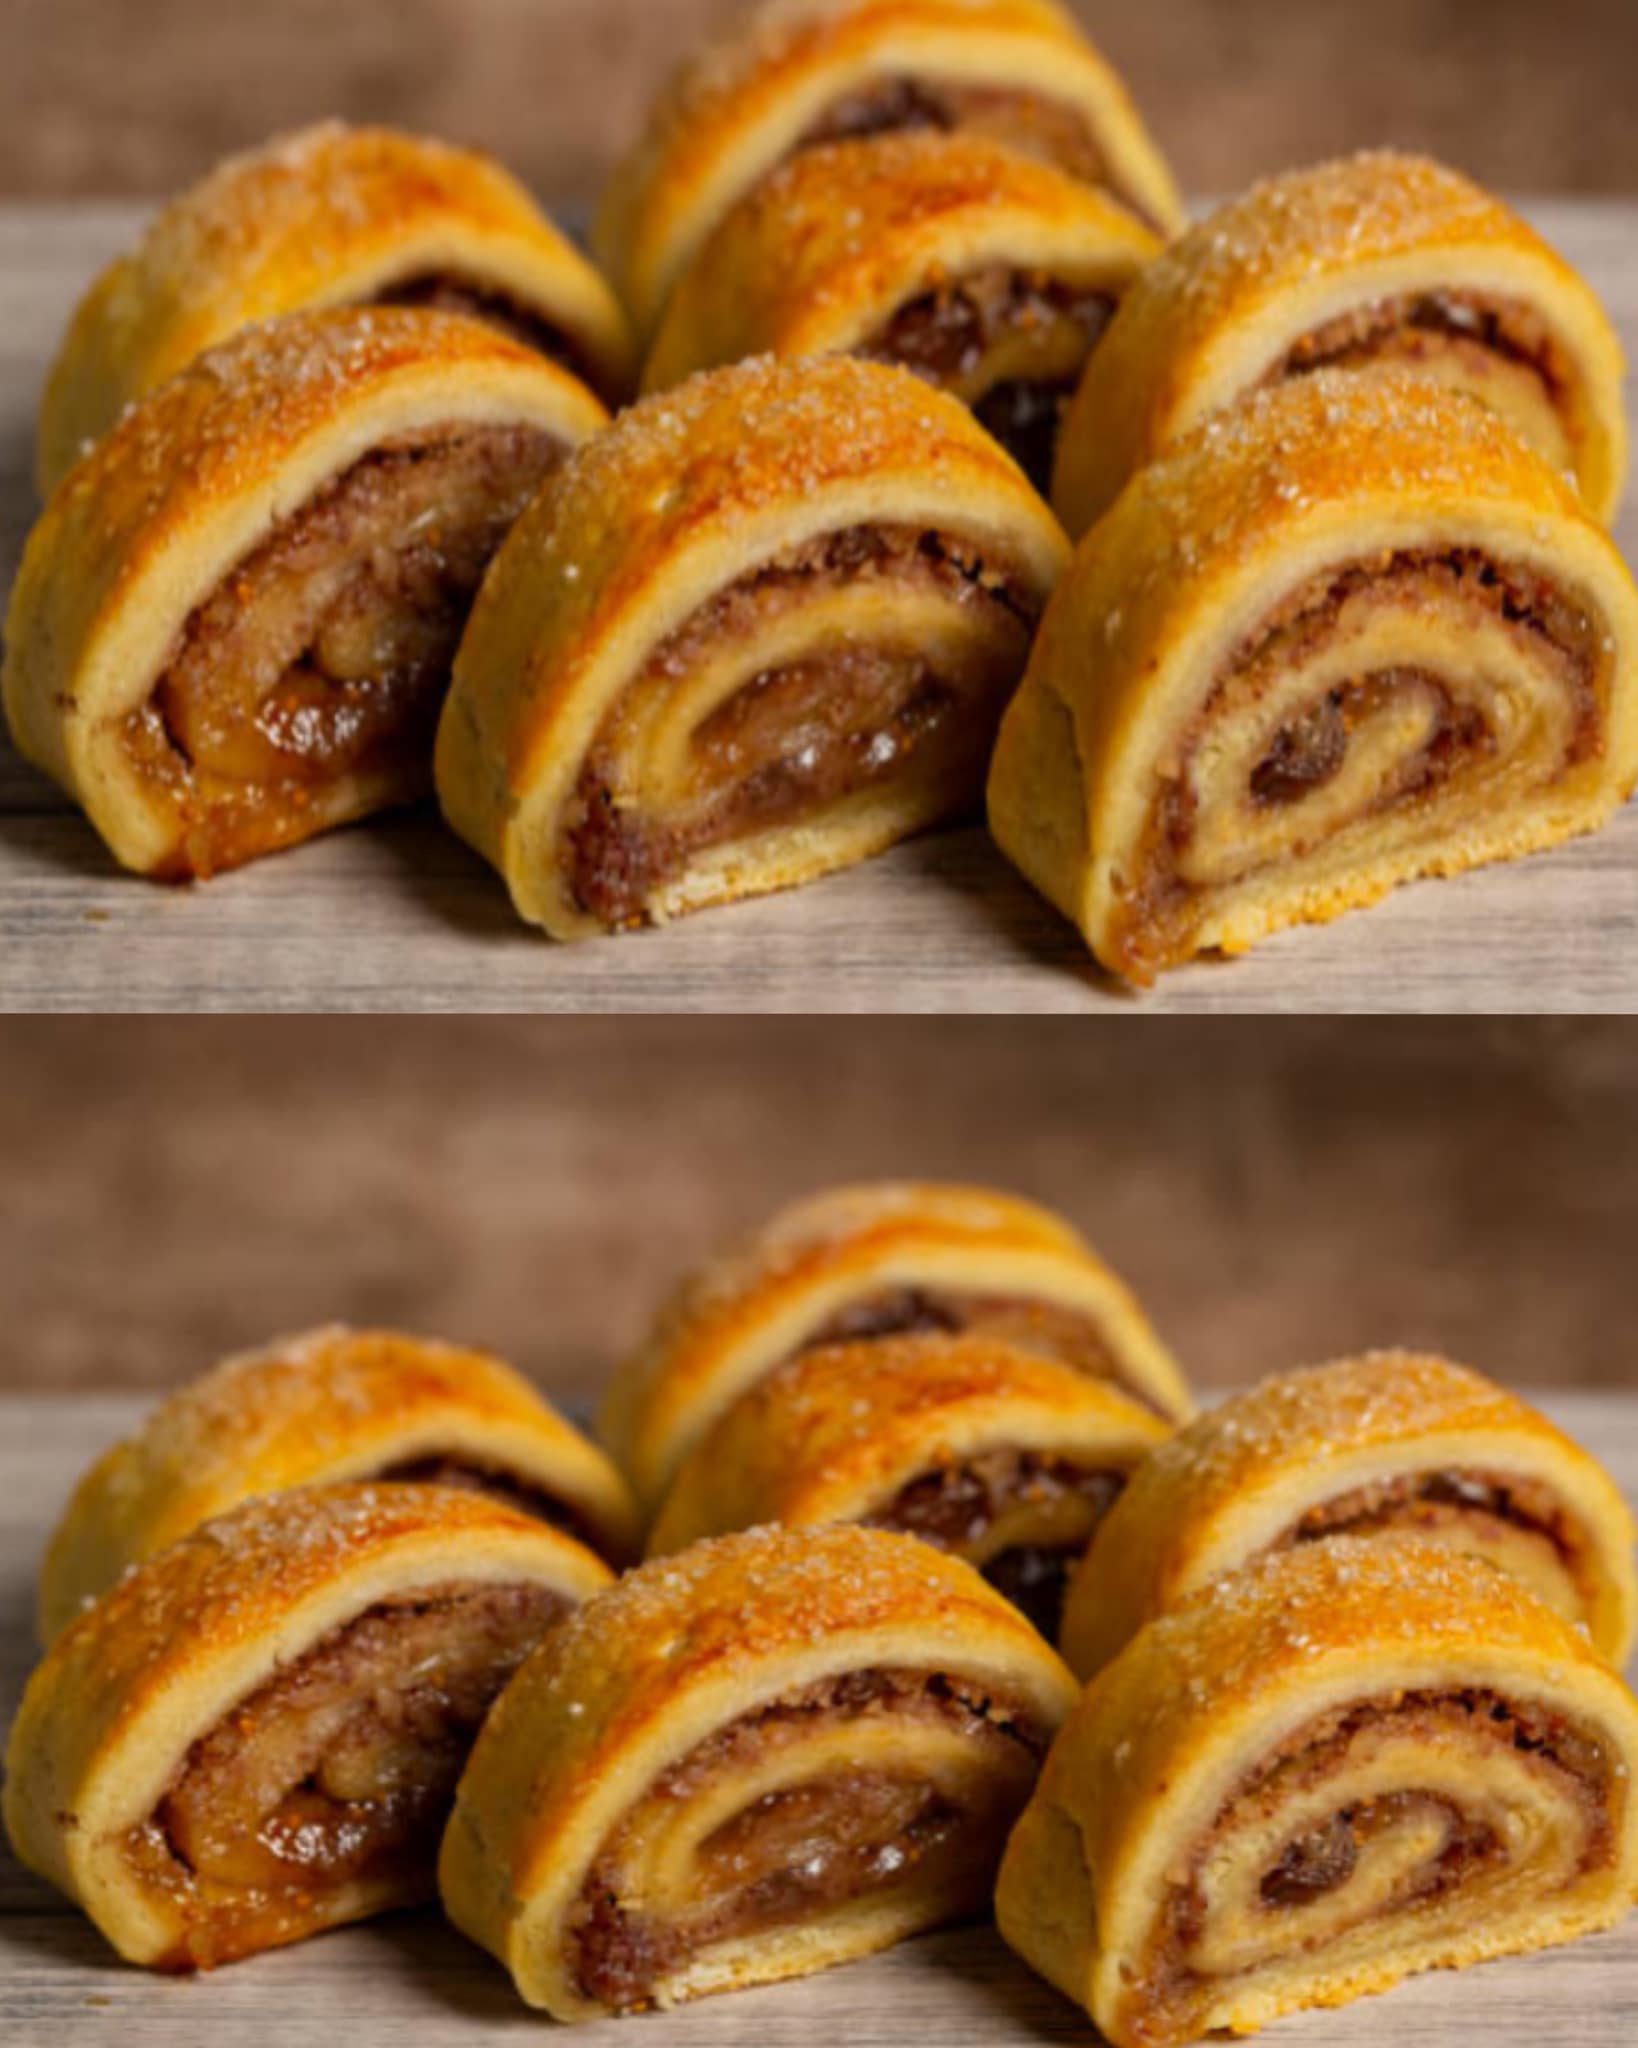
876 1261
333 216
759 630
988 273
790 75
778 1751
256 1734
1344 1764
1376 1446
972 1444
234 622
1351 632
1375 262
327 1405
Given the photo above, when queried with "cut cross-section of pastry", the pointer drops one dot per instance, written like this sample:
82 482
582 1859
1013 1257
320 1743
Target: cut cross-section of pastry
234 623
761 628
328 1405
256 1733
1372 263
780 1750
989 274
970 1443
332 216
1350 632
795 74
875 1261
1344 1764
1379 1445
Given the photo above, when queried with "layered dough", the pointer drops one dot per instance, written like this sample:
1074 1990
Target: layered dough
1378 1446
1373 263
234 623
328 1405
777 1751
333 216
877 1261
1401 647
991 275
1346 1763
978 1447
795 74
256 1733
760 629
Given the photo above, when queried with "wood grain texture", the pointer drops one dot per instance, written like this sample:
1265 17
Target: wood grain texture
399 916
410 1981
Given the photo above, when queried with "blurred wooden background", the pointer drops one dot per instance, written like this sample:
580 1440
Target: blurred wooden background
137 96
1277 1191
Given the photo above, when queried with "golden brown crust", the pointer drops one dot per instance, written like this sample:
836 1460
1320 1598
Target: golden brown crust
323 1406
330 216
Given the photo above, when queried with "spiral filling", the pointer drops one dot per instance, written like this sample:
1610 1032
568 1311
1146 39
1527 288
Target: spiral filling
509 1488
321 660
438 293
336 1773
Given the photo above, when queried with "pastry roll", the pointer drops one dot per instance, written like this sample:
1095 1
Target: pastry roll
1371 1447
1342 1765
977 1446
1377 262
330 1404
330 217
760 629
1401 647
234 623
989 274
792 74
778 1751
876 1261
256 1733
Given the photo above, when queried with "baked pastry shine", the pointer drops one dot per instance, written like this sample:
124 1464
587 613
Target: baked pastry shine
991 275
256 1734
330 216
780 1750
792 74
1388 1443
985 1450
761 628
328 1405
1350 632
1370 263
234 622
877 1260
1344 1764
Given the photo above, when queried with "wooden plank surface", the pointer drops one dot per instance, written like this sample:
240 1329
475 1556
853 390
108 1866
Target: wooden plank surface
410 1981
398 916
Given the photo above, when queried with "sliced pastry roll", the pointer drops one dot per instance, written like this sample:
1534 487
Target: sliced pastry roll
1342 1765
989 274
1376 262
877 1261
256 1733
332 216
778 1751
972 1444
792 74
234 623
1377 1446
760 629
330 1404
1351 632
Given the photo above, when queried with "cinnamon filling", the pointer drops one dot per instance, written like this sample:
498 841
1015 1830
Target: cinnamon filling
335 1775
1066 1335
808 1847
317 668
506 1487
798 738
498 309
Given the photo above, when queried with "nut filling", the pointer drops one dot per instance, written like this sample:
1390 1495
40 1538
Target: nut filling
497 309
1066 1335
506 1487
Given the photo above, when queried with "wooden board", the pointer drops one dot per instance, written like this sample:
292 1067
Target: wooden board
398 915
411 1982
